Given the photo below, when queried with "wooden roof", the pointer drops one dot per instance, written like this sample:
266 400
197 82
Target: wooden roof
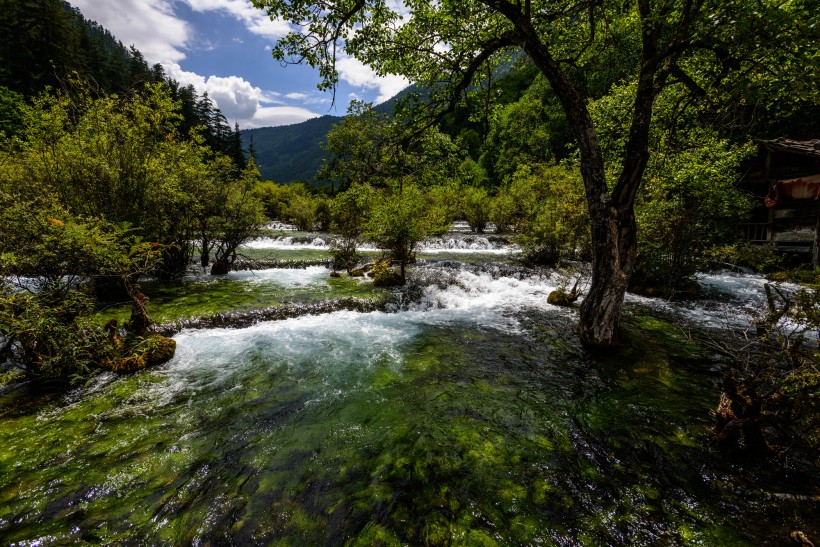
804 148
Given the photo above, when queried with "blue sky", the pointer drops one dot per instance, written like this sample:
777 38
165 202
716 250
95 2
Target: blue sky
223 47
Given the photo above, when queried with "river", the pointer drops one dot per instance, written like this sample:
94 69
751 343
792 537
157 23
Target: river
464 412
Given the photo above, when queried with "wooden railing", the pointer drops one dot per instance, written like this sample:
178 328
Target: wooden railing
756 231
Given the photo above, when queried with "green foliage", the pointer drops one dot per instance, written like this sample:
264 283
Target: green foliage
689 204
528 131
383 275
94 193
47 337
11 105
357 148
545 206
400 219
300 209
45 40
48 261
447 199
349 211
744 254
240 217
476 208
124 160
41 240
273 197
111 158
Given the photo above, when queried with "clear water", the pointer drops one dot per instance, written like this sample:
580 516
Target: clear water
469 417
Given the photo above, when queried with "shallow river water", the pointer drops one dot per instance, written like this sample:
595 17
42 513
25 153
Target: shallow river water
468 416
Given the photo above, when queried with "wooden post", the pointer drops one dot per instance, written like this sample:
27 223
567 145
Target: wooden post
816 249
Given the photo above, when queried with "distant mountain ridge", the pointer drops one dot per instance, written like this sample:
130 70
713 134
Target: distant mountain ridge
292 153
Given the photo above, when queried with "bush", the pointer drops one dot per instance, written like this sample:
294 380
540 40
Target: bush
400 218
771 389
743 254
549 208
689 204
476 208
50 338
383 275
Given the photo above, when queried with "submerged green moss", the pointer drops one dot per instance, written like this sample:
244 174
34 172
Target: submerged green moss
224 294
461 436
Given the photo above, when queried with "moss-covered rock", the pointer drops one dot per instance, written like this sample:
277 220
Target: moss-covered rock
384 276
146 352
562 298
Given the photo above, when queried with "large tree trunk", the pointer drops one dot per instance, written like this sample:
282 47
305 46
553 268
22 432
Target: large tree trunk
611 212
613 258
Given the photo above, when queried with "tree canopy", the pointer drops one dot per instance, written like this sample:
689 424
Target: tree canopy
739 52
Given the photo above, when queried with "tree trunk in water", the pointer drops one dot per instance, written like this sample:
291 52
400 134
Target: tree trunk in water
613 258
220 267
205 257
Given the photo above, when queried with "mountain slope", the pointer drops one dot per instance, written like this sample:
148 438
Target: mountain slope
291 153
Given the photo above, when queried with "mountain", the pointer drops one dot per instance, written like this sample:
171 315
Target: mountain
291 153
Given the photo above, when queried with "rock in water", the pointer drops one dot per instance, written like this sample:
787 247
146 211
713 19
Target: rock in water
562 298
150 351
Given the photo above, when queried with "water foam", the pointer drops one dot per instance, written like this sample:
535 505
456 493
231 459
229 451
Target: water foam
285 277
334 342
455 242
729 299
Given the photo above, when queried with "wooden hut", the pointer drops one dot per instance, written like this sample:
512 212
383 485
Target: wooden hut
787 179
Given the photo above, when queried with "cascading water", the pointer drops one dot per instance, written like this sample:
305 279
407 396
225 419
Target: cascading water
466 415
454 242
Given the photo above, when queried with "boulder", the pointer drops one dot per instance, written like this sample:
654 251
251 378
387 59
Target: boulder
150 351
562 298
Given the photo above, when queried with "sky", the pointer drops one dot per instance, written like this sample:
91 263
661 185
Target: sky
223 47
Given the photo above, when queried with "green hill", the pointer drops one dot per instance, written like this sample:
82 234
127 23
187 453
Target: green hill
291 153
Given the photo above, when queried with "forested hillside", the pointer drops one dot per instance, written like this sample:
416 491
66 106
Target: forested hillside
48 42
291 153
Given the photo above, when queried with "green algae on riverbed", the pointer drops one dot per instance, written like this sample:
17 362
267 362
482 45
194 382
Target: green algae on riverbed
365 428
242 291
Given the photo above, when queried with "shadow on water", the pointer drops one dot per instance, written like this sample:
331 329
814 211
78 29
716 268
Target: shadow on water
373 428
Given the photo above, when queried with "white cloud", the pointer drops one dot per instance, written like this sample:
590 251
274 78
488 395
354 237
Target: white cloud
150 25
242 102
255 20
162 37
357 74
278 115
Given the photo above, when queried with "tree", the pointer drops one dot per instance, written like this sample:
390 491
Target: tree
356 148
399 219
348 212
118 159
240 218
49 259
476 208
446 45
550 218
